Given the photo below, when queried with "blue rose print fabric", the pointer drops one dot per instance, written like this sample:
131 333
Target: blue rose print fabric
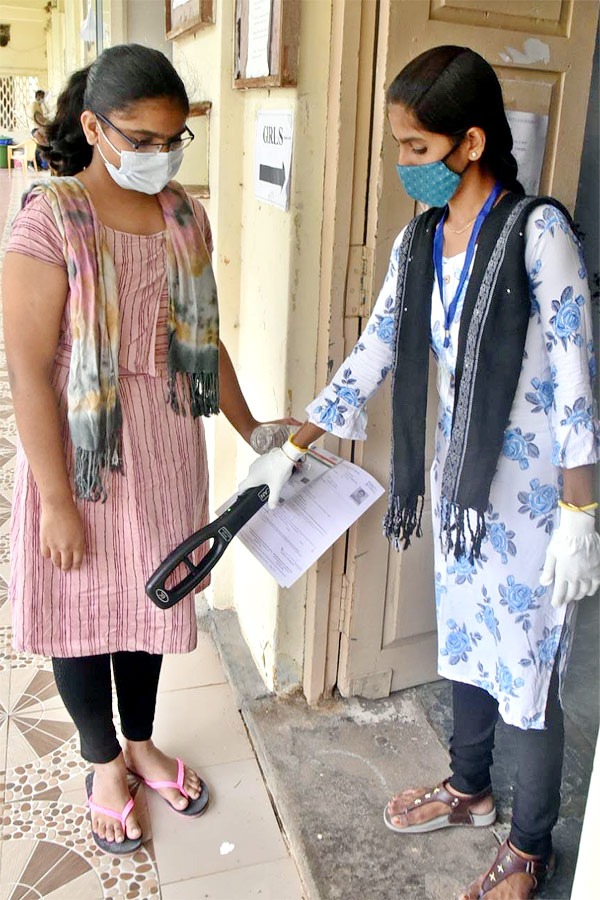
496 627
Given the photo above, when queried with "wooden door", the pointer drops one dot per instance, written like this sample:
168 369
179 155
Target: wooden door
542 51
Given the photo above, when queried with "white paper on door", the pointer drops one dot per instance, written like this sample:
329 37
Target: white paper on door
324 497
529 132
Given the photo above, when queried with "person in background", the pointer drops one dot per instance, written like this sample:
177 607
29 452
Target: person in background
494 285
111 327
37 120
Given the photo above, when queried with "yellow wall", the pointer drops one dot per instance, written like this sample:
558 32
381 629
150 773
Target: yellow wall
26 52
267 268
66 51
44 44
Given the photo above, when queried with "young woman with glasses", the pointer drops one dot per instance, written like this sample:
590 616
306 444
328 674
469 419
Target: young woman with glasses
112 342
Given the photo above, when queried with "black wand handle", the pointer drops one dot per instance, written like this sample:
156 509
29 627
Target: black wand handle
221 532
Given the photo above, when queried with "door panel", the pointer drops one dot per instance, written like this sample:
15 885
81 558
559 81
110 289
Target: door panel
540 92
542 51
531 16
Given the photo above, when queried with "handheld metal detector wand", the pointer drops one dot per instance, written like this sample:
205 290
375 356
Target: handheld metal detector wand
221 532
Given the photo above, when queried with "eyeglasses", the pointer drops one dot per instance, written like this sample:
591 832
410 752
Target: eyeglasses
179 143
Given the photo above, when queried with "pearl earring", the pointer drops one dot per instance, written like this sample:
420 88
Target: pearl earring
473 155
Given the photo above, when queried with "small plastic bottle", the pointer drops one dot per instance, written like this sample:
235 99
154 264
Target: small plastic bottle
265 437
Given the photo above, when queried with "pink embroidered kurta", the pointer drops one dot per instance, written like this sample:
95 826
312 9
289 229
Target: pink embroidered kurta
160 500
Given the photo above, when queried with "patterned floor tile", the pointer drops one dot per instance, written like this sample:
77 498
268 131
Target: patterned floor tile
41 869
9 658
7 474
5 613
34 732
4 557
8 427
7 450
47 850
4 510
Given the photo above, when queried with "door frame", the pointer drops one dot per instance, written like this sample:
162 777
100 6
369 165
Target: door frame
357 73
348 143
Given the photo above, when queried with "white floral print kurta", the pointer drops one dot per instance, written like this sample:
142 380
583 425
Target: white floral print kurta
496 626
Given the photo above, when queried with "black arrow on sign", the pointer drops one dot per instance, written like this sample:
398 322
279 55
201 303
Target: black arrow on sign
271 175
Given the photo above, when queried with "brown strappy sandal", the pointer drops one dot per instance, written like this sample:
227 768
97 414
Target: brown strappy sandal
508 862
459 812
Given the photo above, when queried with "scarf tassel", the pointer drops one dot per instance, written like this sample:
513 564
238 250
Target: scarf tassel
90 466
458 535
203 393
402 520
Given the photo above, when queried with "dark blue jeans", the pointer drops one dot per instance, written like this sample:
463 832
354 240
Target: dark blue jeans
539 758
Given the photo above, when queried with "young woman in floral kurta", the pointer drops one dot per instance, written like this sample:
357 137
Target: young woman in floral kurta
504 632
495 631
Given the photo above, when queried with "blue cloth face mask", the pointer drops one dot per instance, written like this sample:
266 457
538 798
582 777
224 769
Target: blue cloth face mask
431 183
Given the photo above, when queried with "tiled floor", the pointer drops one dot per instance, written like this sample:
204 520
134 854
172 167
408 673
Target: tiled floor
235 851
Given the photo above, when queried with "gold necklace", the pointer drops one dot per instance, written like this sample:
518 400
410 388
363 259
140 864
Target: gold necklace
460 230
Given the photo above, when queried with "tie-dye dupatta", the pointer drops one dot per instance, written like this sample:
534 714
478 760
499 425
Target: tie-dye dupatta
94 411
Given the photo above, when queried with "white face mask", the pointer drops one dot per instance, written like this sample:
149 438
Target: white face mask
148 173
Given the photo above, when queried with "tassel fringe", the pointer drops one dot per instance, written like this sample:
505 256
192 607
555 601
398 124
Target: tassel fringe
403 520
90 466
199 394
455 525
202 393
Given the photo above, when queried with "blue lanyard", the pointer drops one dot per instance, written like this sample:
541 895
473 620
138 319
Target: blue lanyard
438 248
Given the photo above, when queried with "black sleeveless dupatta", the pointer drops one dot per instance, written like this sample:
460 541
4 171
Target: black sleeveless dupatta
492 333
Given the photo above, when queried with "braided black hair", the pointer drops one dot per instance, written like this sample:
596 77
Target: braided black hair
120 77
451 89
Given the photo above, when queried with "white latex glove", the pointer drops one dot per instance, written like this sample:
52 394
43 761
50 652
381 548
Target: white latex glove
274 469
573 558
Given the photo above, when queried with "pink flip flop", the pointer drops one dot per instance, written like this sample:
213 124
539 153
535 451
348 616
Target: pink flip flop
119 848
195 806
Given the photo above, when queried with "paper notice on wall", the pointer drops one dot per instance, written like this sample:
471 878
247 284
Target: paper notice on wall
176 3
324 497
259 36
529 132
273 156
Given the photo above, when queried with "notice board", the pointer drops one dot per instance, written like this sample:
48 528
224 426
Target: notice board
266 43
187 16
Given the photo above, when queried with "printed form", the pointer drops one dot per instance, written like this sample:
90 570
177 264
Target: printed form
322 499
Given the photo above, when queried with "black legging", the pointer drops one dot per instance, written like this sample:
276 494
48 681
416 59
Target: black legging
84 684
539 762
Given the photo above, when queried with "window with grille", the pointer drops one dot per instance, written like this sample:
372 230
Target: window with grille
16 92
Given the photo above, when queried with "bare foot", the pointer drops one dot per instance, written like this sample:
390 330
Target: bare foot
428 811
152 764
112 791
515 887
